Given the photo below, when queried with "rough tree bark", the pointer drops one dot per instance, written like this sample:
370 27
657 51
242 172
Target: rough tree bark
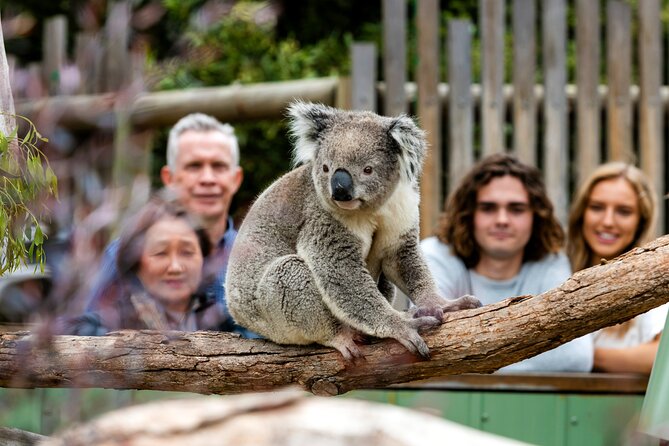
478 341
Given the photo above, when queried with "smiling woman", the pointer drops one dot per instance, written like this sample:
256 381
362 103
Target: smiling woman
612 213
160 256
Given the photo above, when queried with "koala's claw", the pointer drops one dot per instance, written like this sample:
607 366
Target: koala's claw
344 342
350 352
465 302
415 344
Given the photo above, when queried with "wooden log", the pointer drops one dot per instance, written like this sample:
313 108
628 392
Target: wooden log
265 100
156 109
285 418
473 341
231 103
18 437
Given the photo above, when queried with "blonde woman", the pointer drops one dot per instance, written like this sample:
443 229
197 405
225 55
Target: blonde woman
613 212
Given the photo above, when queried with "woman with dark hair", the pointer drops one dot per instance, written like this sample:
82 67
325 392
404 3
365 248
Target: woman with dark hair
160 258
499 238
613 212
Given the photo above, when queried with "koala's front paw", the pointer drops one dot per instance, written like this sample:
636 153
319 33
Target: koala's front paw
421 323
344 342
410 338
435 310
465 302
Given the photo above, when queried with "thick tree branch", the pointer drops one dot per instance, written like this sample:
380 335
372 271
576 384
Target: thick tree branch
478 341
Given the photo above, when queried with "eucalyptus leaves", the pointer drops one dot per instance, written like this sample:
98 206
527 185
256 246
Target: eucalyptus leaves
26 179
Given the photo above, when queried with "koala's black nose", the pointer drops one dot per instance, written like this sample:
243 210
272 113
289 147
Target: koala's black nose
342 185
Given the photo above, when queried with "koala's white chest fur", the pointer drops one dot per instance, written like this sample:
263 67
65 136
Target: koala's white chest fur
382 229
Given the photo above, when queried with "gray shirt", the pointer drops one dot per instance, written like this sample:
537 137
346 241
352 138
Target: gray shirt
454 279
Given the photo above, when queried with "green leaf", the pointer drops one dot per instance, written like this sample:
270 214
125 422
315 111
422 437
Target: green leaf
39 236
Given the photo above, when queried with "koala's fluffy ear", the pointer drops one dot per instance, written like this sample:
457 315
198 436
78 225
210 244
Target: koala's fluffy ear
412 145
307 120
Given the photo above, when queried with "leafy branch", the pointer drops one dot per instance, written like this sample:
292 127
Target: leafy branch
25 179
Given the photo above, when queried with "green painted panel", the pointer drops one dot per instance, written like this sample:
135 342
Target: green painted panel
539 418
601 420
20 408
377 396
530 417
454 406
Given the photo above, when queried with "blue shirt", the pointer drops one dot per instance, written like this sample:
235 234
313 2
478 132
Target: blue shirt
213 280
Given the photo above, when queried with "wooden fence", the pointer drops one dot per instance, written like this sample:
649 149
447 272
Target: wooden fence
466 119
566 126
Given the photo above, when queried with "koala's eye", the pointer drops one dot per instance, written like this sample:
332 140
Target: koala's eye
325 168
367 170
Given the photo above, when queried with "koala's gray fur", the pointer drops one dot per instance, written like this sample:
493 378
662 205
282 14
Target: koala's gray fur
314 255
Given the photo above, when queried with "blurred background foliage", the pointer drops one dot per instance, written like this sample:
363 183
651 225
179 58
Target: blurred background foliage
196 43
193 43
250 43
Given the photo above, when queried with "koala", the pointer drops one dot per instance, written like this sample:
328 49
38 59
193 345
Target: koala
318 253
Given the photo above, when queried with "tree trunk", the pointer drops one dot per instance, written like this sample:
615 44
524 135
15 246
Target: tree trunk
473 341
7 118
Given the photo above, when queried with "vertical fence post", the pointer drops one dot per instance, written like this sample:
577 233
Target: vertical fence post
429 112
123 74
394 56
363 77
87 50
556 160
588 125
651 140
618 62
460 106
54 45
524 70
117 33
492 77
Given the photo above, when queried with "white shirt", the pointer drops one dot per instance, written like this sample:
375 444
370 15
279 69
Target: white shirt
644 328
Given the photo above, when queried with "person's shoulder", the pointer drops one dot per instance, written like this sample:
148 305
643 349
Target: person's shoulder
547 273
557 260
433 244
436 251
